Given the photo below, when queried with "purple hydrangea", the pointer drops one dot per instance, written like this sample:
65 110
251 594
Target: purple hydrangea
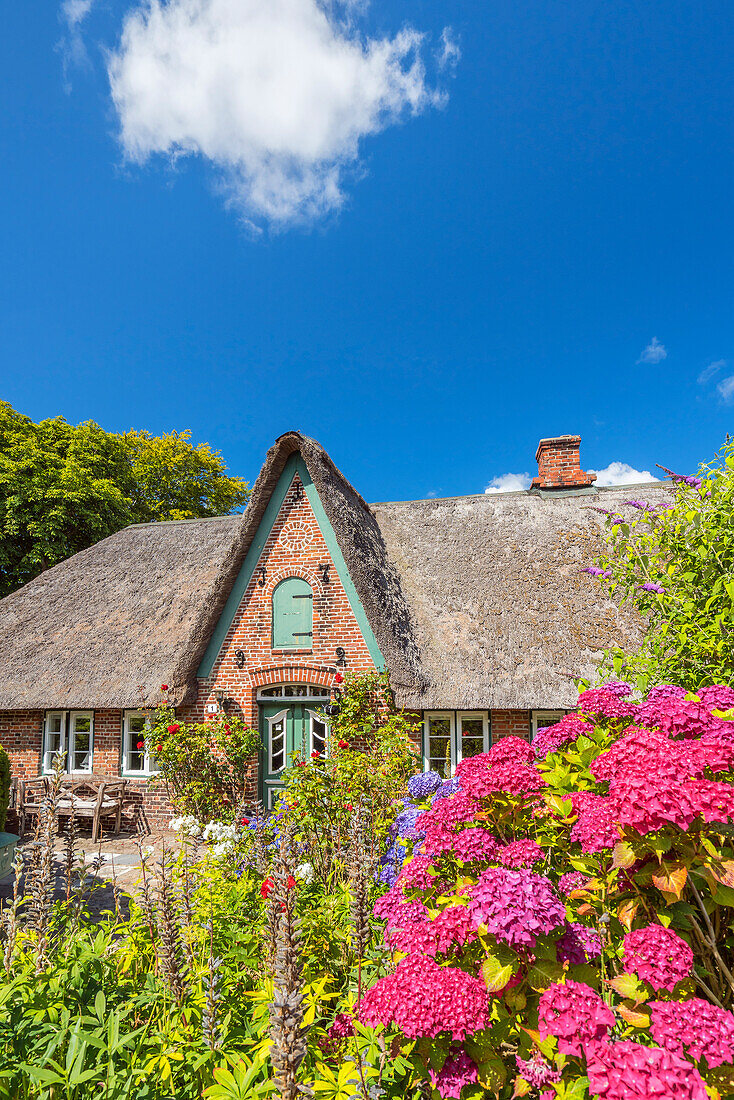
405 822
447 788
578 944
572 880
515 905
620 688
424 785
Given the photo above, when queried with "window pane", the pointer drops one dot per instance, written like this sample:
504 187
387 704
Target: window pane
277 744
472 737
136 723
136 760
82 723
439 746
318 735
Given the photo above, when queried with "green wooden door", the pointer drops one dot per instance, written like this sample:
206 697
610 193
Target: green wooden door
285 730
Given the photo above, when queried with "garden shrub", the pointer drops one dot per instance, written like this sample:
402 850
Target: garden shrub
675 562
371 755
563 926
204 766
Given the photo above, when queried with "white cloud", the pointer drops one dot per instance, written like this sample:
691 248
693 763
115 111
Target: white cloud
71 46
276 94
708 372
449 54
725 389
509 483
655 352
620 473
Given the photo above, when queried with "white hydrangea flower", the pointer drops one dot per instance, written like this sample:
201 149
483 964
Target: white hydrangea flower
188 825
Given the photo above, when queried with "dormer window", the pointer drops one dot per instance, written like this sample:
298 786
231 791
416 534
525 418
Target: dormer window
293 614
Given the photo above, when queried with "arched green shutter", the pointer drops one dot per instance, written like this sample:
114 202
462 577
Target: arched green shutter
293 614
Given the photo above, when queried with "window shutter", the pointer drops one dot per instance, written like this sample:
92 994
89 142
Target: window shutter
293 614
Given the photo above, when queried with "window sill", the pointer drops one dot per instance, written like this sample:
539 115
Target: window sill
290 652
139 775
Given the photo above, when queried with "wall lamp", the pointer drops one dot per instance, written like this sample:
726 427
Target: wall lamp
222 701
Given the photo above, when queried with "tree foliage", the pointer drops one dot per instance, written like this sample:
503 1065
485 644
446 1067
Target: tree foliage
675 563
64 487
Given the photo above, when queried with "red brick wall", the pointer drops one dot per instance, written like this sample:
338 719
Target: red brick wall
297 548
21 735
510 723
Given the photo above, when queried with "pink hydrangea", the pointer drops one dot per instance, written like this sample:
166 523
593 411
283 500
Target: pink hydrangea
419 873
520 853
515 905
628 1071
570 881
696 1028
605 704
550 738
424 999
475 843
578 944
595 828
505 776
620 688
444 818
458 1070
426 935
511 748
657 955
575 1014
717 697
679 717
665 691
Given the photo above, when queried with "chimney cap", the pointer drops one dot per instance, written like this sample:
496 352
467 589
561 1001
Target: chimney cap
555 439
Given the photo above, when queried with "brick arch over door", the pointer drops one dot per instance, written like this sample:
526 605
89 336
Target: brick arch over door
293 673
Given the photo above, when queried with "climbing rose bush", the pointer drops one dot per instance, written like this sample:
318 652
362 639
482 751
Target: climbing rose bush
559 914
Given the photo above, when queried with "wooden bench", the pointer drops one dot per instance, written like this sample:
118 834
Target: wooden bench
94 796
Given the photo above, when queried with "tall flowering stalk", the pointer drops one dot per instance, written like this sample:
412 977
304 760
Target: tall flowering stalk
171 949
287 1031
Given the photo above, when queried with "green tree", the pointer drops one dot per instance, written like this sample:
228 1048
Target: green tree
675 563
64 487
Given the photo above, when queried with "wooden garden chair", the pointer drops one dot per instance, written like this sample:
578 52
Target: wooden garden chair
96 797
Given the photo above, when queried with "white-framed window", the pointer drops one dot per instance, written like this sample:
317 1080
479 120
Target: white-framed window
541 718
451 736
277 746
137 758
71 732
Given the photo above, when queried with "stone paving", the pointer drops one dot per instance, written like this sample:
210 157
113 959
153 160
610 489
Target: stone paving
117 857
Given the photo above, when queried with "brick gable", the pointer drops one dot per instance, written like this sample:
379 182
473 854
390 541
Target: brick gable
295 547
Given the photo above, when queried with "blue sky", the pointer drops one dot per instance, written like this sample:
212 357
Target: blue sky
426 234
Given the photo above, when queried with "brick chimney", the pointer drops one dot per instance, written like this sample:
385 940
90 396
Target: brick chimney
559 464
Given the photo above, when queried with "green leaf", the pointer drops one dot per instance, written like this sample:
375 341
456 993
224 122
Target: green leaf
497 973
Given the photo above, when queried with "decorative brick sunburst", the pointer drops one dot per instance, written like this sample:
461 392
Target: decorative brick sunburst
296 536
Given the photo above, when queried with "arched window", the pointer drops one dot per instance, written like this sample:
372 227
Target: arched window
293 614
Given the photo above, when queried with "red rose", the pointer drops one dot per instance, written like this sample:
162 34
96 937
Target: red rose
315 755
141 744
348 806
267 887
343 744
227 729
290 882
164 687
338 679
166 703
158 748
174 728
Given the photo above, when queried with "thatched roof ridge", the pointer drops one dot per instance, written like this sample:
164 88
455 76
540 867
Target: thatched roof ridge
502 613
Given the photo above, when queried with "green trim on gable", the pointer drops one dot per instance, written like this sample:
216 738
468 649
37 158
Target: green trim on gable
294 465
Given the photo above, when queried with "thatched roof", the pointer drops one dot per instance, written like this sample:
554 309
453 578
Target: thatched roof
473 601
502 614
105 627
